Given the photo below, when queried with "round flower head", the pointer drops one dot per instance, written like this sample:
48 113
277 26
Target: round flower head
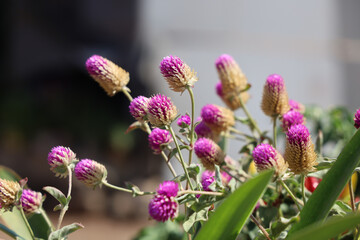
184 121
203 131
230 74
275 98
30 201
231 99
161 111
299 150
59 159
158 138
291 118
266 157
138 107
163 207
296 106
8 192
357 119
209 153
177 73
110 77
90 172
168 188
217 118
207 178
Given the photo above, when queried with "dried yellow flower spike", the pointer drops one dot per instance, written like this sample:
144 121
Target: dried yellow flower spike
110 76
275 99
8 191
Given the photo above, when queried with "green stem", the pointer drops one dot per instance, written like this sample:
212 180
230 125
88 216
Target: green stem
126 190
290 193
9 232
66 207
266 234
26 222
231 175
169 128
126 93
200 192
352 198
303 187
46 218
274 131
172 170
252 121
192 123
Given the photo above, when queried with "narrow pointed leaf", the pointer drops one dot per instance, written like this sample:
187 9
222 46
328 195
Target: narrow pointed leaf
330 229
232 214
326 193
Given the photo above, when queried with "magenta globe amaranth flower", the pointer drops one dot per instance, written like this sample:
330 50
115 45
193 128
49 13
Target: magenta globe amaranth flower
217 118
8 191
138 108
275 99
209 153
204 131
184 121
299 151
207 178
291 118
30 201
266 157
158 139
59 159
161 111
90 172
357 119
164 206
110 77
177 73
296 106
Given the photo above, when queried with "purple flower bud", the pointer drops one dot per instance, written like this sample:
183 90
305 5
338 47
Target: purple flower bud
217 118
161 111
209 153
31 201
266 157
299 151
162 207
203 131
357 119
291 118
219 89
207 178
8 192
296 106
158 139
138 107
275 99
59 159
184 121
90 172
110 77
168 188
177 73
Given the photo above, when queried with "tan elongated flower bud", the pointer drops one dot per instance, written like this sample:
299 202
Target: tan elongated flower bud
110 76
217 118
8 192
161 110
275 99
232 99
209 153
299 151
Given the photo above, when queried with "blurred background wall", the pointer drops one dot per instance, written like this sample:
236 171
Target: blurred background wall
48 99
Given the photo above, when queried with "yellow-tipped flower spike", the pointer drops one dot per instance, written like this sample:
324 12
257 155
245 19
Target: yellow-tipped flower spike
299 151
275 99
8 192
110 76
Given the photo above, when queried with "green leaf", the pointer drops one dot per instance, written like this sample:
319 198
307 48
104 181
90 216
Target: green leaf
201 215
232 214
331 228
281 224
65 231
57 194
326 193
175 151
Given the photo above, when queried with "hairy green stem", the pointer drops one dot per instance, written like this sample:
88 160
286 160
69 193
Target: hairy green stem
66 207
169 128
141 193
200 192
303 187
290 193
46 218
126 93
252 121
192 123
260 227
26 222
